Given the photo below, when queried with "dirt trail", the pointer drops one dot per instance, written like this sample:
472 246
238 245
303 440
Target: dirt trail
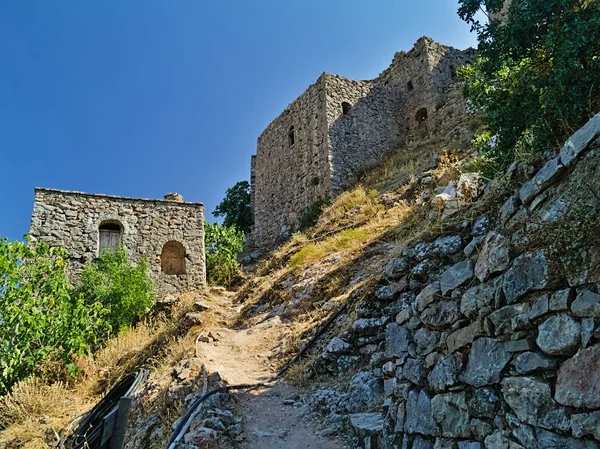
241 356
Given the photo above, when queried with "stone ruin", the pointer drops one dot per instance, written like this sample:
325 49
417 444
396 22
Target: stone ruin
339 126
169 233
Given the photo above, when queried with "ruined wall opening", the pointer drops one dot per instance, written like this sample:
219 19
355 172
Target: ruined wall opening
409 86
453 73
346 108
421 115
172 258
109 236
291 136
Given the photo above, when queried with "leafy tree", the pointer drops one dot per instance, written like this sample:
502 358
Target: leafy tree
124 289
236 207
223 244
537 74
40 316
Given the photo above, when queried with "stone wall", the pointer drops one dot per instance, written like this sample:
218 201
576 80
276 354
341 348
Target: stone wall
342 126
488 339
289 176
72 220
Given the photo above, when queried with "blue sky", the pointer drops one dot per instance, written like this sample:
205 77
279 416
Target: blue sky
140 98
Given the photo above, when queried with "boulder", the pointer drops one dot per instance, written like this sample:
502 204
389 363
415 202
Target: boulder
450 412
368 326
396 340
531 400
365 424
414 371
585 424
586 304
550 440
529 272
428 295
464 336
493 257
579 141
447 245
548 174
444 374
561 300
482 299
578 381
363 392
533 361
486 360
441 314
456 275
338 346
426 341
484 403
396 268
510 208
419 417
559 335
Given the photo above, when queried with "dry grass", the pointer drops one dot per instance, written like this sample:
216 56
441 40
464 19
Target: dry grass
156 344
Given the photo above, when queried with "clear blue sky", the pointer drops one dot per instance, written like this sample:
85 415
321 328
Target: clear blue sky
140 98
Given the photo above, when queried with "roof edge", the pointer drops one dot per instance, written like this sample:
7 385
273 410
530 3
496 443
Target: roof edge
114 197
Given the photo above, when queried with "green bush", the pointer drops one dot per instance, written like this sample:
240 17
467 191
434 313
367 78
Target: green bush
124 289
223 245
40 316
536 76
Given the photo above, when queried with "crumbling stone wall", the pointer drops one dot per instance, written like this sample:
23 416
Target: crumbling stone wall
288 175
341 126
490 339
73 219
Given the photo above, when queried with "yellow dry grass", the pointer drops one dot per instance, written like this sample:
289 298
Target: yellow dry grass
34 404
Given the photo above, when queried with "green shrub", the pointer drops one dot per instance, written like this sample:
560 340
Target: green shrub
536 74
40 316
124 289
223 245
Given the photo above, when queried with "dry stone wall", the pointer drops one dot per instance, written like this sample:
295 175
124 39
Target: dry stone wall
73 220
488 339
340 126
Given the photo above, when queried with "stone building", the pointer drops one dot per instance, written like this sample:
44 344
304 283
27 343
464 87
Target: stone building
338 126
169 233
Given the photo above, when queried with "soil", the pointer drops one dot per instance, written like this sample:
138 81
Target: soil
242 356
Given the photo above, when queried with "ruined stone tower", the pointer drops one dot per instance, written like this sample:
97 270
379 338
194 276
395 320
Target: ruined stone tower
338 126
169 233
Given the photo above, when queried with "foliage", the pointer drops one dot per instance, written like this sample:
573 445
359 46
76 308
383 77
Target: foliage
310 214
537 74
223 245
124 289
236 207
40 316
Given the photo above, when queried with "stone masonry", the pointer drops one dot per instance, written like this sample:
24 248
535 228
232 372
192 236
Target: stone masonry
168 233
339 126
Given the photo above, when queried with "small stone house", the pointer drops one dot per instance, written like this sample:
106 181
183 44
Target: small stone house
169 233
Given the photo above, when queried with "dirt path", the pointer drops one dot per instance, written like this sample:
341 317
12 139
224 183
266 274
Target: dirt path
242 356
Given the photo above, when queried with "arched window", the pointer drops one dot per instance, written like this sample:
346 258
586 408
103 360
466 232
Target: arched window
291 136
409 86
346 108
109 236
172 258
421 115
